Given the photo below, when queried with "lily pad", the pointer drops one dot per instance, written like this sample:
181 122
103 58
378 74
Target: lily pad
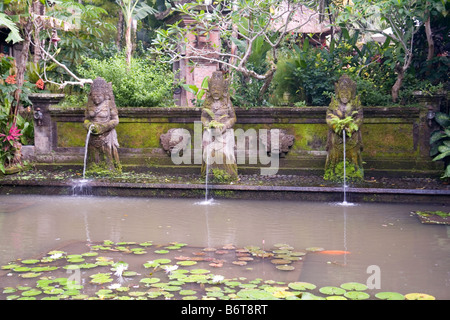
285 268
30 261
280 261
200 271
354 286
31 292
390 296
187 292
332 291
30 275
356 295
419 296
301 286
162 251
149 280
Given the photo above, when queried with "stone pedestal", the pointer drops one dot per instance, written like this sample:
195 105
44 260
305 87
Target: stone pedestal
44 139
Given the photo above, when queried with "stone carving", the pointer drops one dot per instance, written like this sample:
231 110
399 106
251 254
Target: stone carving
344 113
101 118
218 118
175 137
285 142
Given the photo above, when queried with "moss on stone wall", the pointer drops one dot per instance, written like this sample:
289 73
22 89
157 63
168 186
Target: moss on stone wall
70 134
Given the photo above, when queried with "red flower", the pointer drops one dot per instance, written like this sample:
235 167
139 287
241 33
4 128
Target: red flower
11 79
40 84
13 134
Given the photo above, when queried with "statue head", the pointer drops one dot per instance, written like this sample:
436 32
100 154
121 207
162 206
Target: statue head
100 91
217 86
345 89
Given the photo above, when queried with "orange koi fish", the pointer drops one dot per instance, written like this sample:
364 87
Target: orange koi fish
334 252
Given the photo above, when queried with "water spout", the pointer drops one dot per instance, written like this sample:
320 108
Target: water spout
86 150
344 187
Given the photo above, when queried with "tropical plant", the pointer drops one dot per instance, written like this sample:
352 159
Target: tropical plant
440 143
132 10
198 92
142 83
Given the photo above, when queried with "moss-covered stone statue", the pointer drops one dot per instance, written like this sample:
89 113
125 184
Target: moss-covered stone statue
101 118
218 118
344 114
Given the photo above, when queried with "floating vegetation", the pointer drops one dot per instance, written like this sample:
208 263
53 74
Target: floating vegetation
129 271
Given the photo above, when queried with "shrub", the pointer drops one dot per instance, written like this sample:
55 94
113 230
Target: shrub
144 83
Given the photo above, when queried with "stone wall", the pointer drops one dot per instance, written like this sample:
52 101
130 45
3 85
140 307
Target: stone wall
395 138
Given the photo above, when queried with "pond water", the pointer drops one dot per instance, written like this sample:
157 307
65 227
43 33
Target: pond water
408 256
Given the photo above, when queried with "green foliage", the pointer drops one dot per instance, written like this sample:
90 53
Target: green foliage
13 129
440 142
348 124
144 83
352 173
198 92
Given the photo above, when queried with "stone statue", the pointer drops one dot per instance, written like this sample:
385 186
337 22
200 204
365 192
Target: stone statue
344 115
101 118
218 118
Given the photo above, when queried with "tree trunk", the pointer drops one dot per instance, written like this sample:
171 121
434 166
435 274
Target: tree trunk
429 39
128 44
21 65
119 31
398 84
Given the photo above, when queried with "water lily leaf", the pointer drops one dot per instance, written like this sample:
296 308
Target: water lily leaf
22 269
357 295
129 273
310 296
255 294
10 266
46 268
419 296
89 254
53 290
280 261
137 293
187 292
332 291
149 280
285 268
200 271
390 296
354 286
30 261
301 286
146 244
9 290
31 292
30 275
283 294
162 251
336 298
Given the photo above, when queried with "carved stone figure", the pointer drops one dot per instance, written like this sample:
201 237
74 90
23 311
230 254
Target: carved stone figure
344 115
101 118
174 139
285 142
218 118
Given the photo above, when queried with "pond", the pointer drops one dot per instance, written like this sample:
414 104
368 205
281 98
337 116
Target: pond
326 244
